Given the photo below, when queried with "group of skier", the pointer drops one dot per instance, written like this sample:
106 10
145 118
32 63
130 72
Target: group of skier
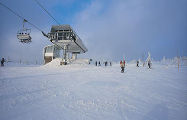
105 63
148 63
122 64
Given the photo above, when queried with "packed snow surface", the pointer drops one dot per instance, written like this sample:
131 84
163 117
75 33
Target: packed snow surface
87 92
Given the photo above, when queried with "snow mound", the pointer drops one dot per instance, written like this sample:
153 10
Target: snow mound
54 63
78 62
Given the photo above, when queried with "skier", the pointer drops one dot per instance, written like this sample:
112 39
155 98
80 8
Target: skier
137 63
96 63
149 64
90 61
99 63
106 63
2 62
110 63
122 65
149 60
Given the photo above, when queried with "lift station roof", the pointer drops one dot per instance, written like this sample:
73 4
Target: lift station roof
64 35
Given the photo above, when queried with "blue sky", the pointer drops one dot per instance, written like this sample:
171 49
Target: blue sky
111 29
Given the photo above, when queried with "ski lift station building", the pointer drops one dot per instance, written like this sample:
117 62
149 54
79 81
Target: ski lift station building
63 38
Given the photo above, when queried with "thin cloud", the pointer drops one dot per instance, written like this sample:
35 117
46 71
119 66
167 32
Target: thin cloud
133 27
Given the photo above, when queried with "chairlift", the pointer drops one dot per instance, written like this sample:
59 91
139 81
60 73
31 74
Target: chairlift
24 34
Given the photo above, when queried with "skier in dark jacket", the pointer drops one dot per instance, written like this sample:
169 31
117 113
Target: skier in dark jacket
96 63
106 63
137 63
99 63
2 62
149 64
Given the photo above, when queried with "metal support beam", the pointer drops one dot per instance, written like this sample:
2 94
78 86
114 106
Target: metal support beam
65 54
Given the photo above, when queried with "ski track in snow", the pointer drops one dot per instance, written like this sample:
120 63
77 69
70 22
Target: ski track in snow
81 92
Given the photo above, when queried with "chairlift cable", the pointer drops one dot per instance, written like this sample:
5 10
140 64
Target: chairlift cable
20 16
46 11
12 11
23 19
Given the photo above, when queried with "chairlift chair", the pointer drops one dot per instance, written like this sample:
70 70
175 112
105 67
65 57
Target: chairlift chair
24 34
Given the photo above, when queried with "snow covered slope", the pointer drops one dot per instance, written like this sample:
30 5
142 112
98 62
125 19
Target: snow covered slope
77 92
